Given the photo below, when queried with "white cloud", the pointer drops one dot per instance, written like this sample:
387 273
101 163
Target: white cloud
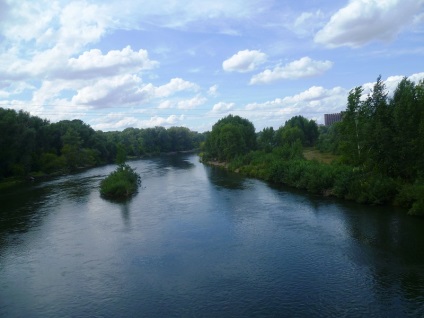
304 67
162 121
82 23
244 61
363 21
391 83
113 91
213 91
120 121
312 103
307 23
8 89
222 107
166 104
191 103
95 64
183 14
417 77
175 85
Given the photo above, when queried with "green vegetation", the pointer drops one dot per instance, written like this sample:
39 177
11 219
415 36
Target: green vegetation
320 156
375 155
121 183
231 136
31 146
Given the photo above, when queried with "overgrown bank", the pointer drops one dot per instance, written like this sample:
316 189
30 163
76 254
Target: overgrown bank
379 145
338 180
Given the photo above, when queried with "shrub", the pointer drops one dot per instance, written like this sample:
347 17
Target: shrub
412 197
121 183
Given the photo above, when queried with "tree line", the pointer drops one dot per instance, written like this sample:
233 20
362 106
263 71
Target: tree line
30 145
379 143
380 133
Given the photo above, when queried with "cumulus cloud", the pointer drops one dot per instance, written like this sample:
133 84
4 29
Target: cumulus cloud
111 91
94 63
304 67
174 85
391 83
191 103
363 21
128 89
120 121
222 107
244 61
312 103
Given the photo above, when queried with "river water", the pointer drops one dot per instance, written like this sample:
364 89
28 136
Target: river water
197 241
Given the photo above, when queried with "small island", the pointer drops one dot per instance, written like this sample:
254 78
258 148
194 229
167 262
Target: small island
121 183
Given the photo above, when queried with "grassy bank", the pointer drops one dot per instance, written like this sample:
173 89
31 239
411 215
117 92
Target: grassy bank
331 179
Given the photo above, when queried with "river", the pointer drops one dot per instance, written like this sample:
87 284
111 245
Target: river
197 241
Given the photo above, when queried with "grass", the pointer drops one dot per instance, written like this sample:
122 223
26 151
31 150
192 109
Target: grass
315 154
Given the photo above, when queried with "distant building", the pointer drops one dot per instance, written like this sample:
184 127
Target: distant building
330 119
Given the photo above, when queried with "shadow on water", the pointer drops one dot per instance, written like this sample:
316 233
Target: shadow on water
391 245
78 189
19 206
125 207
224 179
176 161
25 206
125 213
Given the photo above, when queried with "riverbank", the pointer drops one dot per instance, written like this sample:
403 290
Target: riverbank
329 179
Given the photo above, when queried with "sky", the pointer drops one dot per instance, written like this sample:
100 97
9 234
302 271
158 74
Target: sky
119 64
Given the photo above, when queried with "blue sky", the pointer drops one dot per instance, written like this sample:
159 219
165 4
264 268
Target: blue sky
119 64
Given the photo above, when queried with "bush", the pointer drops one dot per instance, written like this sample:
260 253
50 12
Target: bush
121 183
412 197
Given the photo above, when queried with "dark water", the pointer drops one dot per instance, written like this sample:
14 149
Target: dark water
199 242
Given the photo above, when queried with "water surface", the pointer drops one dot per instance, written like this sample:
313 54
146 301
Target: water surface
197 241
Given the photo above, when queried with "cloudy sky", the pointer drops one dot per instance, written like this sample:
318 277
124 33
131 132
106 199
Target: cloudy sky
146 63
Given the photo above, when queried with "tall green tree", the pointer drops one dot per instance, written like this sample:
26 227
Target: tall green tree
381 129
266 139
309 129
406 118
71 149
353 128
230 136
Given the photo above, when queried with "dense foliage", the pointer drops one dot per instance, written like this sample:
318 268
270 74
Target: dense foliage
29 144
121 183
230 137
380 143
386 134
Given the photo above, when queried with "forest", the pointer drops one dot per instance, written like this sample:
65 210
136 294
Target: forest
379 146
31 146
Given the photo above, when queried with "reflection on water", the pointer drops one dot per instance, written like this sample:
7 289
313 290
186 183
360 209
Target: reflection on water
221 179
198 241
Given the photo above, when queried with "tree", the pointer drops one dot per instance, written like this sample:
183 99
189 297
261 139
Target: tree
290 135
230 136
71 149
381 129
266 139
309 129
353 126
406 118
